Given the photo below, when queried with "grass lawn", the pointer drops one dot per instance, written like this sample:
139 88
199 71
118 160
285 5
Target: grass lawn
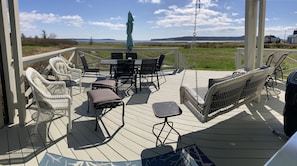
203 56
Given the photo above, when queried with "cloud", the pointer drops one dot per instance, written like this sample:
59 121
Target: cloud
109 25
31 20
176 16
74 20
117 18
150 1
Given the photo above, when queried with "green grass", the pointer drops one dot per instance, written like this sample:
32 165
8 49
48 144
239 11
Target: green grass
204 56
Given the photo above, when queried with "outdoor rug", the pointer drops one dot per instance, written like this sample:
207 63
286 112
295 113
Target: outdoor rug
188 156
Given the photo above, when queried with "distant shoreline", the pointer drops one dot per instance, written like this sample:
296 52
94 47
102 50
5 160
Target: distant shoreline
167 40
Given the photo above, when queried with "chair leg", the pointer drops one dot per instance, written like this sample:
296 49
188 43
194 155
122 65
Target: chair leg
37 122
70 121
171 128
123 114
158 81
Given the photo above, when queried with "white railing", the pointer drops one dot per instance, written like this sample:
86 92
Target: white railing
103 53
96 54
290 63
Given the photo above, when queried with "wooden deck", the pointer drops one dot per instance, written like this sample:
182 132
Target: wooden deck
240 137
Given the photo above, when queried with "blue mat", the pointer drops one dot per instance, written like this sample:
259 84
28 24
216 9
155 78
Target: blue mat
188 156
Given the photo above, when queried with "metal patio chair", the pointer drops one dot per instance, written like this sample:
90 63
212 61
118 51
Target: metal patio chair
86 66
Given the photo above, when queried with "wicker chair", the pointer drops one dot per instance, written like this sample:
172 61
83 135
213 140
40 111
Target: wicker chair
65 73
48 95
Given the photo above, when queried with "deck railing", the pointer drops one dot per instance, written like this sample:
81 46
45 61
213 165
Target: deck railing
289 64
171 53
94 56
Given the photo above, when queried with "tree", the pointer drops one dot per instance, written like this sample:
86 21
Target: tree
43 35
91 41
23 36
52 36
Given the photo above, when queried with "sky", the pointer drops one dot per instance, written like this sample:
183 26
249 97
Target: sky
106 19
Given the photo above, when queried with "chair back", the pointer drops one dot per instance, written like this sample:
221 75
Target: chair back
269 59
116 55
160 62
39 89
84 61
131 55
148 66
280 61
59 68
124 68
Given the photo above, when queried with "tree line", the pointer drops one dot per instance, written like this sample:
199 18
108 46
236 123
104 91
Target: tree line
46 40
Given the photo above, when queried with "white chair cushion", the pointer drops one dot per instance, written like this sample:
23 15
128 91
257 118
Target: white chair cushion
41 87
61 68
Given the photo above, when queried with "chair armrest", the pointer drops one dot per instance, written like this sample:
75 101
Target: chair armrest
192 94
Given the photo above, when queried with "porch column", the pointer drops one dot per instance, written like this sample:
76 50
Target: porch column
16 44
251 8
261 33
9 77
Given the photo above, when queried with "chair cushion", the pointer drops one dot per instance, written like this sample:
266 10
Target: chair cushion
41 87
212 81
61 68
103 96
104 84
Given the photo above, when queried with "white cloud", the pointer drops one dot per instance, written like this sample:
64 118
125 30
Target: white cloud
32 19
74 20
117 18
109 25
234 14
176 16
150 1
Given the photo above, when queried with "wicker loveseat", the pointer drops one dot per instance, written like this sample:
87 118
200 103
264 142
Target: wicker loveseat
224 94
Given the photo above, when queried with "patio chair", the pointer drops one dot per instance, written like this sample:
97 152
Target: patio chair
148 69
269 59
63 72
159 65
48 95
125 72
131 55
278 68
115 55
86 66
271 79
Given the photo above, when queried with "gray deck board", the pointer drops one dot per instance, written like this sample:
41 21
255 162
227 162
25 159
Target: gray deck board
242 135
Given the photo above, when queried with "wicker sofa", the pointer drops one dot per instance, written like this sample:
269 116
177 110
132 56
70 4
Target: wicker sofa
225 94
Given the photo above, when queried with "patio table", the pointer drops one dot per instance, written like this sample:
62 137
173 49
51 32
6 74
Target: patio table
115 61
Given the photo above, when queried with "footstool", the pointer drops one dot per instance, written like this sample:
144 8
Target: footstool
106 100
108 83
165 110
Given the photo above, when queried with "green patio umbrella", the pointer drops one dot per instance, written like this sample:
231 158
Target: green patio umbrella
129 43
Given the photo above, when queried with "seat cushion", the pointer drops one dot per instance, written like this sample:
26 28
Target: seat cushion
40 86
61 68
104 84
212 81
103 96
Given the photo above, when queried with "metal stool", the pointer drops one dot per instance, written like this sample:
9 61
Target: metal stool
165 110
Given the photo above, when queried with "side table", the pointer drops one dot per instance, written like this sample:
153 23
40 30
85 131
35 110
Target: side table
165 110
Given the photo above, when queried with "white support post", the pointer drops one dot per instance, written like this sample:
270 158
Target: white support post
261 33
250 33
17 56
9 76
